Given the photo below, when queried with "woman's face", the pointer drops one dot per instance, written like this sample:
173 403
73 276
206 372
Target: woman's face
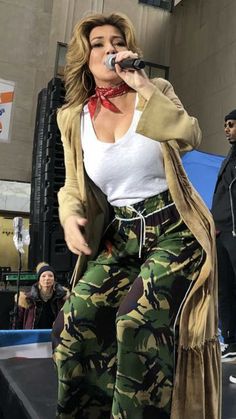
104 40
47 280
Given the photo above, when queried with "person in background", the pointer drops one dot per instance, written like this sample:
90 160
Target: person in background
38 308
224 214
138 336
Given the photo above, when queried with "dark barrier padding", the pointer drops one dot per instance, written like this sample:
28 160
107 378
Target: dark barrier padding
6 306
28 388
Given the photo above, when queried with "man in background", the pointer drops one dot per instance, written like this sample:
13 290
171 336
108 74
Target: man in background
224 214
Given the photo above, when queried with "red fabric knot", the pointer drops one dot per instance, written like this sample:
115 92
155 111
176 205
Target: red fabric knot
103 94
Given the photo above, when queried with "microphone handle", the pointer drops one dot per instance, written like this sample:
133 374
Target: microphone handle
136 64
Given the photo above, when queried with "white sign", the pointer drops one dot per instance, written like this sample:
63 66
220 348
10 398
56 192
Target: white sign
14 196
6 102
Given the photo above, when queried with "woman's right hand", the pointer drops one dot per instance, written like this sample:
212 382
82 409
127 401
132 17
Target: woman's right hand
74 236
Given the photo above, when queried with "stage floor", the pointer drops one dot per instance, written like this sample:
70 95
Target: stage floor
28 389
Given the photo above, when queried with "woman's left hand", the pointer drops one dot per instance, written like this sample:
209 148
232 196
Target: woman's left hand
136 79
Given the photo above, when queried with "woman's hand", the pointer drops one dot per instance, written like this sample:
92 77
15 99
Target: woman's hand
74 236
136 79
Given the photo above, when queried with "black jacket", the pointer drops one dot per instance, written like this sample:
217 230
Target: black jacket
224 199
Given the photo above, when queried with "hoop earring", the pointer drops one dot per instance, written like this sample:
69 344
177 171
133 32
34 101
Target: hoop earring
87 82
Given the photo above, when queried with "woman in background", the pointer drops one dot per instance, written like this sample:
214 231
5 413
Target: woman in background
38 308
138 337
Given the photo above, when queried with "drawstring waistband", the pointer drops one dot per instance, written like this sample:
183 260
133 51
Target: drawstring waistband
141 217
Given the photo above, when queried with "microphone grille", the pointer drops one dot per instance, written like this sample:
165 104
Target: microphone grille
109 62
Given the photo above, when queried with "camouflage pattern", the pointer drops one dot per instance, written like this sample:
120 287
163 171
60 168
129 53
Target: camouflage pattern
115 340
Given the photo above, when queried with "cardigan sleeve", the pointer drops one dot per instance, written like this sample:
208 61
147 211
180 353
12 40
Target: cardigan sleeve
69 198
165 119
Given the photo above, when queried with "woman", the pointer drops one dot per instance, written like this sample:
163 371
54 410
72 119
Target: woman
138 337
38 308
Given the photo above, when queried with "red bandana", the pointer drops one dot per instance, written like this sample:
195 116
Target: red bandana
103 94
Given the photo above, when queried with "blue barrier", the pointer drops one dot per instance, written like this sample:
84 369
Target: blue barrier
202 170
23 337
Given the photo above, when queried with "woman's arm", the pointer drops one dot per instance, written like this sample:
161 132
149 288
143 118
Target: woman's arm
71 208
70 201
18 321
165 119
20 318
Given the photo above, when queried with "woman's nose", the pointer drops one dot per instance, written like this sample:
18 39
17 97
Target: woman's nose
110 49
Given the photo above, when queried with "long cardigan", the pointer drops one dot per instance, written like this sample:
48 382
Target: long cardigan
197 381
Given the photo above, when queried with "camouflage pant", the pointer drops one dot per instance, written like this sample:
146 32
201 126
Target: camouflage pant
114 341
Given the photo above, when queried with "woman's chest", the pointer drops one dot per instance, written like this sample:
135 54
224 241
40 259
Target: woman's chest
110 127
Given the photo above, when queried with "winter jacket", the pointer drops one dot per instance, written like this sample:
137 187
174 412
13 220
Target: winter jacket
30 306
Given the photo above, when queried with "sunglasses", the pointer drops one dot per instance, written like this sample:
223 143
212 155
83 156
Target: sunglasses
229 124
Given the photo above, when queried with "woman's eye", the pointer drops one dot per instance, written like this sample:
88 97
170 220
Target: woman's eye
98 45
120 44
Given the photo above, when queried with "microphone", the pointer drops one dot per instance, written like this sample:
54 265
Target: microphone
128 63
17 237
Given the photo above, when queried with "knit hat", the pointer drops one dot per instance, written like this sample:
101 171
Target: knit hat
231 115
39 265
44 269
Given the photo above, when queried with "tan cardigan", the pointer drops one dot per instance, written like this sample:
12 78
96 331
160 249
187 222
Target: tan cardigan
197 384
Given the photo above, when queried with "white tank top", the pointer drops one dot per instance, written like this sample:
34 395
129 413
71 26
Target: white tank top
127 171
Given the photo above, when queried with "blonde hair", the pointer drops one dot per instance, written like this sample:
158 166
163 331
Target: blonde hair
40 265
79 81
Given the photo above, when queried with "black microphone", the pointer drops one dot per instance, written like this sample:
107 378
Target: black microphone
128 63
